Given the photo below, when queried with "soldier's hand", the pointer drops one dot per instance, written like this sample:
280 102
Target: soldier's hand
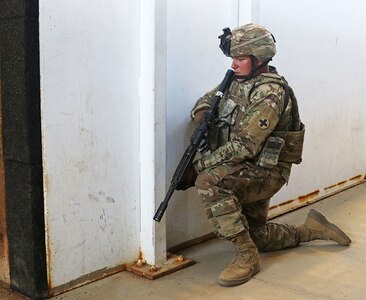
188 178
198 116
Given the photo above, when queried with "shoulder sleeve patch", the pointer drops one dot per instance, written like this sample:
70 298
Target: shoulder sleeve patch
263 123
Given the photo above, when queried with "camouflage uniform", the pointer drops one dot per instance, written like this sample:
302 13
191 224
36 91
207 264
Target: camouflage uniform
235 189
255 138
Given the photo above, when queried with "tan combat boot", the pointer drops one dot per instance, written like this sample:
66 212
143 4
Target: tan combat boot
245 264
317 227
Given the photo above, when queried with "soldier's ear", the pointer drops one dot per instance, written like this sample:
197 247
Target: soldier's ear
257 62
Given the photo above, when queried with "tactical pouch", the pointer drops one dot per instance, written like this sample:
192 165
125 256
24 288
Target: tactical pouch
270 152
228 113
294 140
220 131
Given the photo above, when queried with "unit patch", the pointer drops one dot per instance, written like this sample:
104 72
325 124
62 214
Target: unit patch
263 123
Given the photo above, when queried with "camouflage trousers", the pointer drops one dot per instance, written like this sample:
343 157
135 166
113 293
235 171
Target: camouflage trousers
236 199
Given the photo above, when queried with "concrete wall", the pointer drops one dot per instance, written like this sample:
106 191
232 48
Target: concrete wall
90 121
24 267
320 52
194 65
107 68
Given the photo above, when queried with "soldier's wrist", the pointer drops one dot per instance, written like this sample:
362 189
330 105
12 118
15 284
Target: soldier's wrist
203 106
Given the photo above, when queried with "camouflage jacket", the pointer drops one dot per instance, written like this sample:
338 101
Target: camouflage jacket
248 113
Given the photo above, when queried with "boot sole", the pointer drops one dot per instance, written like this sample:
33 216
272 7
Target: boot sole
228 283
321 219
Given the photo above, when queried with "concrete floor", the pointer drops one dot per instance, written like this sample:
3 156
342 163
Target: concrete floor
316 270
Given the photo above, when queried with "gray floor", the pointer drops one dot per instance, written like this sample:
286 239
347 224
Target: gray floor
316 270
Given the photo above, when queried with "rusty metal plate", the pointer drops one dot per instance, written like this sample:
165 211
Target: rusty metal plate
174 263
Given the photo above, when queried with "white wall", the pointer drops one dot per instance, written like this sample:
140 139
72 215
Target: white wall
195 65
90 123
321 53
101 145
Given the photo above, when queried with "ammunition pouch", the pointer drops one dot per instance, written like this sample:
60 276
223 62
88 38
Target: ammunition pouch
271 151
292 149
219 132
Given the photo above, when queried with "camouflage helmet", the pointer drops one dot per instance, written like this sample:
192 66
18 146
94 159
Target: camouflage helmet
251 39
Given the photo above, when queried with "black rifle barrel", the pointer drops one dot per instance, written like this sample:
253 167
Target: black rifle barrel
195 141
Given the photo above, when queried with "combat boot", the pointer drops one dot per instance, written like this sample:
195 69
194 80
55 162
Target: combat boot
317 227
245 264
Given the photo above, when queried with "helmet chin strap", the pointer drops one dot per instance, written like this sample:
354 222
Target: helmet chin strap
253 70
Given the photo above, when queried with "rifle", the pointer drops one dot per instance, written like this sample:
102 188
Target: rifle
195 141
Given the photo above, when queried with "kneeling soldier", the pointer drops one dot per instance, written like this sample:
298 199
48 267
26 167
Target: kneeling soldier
256 137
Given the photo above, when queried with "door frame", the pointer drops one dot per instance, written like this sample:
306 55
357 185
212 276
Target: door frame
22 147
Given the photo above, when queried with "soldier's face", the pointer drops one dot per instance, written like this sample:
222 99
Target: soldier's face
241 66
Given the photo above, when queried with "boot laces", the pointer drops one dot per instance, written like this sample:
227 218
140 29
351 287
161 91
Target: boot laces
244 252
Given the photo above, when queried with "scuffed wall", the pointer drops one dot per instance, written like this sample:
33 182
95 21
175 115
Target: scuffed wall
90 59
322 56
195 65
90 119
320 52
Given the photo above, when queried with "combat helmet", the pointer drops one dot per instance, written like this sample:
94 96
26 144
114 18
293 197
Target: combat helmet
250 39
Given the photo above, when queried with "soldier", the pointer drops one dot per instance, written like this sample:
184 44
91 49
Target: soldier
256 137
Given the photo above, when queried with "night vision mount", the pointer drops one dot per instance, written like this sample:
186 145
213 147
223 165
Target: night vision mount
225 41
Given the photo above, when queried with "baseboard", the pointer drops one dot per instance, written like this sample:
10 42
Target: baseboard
88 278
